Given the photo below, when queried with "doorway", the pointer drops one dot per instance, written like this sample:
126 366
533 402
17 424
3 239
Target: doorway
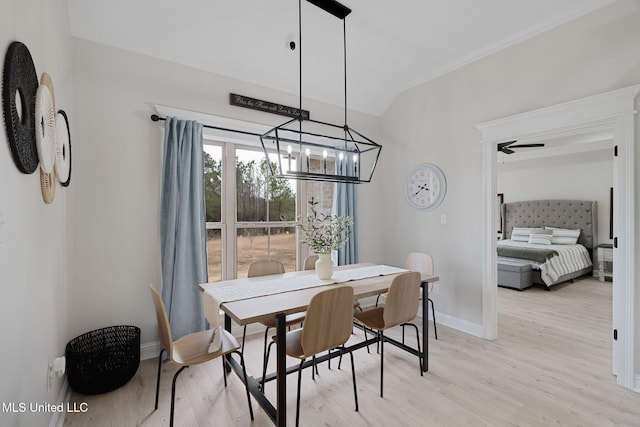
614 112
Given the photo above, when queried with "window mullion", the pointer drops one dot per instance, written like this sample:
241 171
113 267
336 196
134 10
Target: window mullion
229 212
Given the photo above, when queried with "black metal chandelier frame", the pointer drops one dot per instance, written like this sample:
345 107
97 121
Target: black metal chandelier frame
354 155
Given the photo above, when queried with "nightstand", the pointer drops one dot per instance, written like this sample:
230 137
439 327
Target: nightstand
604 261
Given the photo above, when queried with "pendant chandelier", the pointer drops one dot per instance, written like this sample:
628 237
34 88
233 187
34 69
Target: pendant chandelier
318 151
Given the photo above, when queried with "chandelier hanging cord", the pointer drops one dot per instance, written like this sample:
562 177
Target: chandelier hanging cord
344 43
300 60
344 54
341 154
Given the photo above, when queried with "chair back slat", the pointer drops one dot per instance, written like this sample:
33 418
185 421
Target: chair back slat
265 268
164 327
402 300
329 320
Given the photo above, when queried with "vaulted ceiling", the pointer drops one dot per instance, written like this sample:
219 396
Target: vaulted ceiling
392 46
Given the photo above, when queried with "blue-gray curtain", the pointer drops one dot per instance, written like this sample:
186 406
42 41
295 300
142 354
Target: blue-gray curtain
345 204
183 226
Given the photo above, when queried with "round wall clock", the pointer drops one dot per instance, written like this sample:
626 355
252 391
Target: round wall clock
425 187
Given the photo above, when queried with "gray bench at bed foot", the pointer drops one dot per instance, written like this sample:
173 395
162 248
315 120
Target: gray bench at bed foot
515 274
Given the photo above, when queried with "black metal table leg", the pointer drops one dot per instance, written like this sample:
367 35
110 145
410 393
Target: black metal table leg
425 327
227 327
281 369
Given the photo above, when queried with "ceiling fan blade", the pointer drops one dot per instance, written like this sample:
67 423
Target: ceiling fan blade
527 145
506 147
502 146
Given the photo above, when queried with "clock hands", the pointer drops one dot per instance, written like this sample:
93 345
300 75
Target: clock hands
421 187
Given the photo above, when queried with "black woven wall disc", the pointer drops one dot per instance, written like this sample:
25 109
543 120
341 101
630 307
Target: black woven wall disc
68 155
20 77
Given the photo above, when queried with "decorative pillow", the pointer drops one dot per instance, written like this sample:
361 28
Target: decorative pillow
521 234
564 236
540 237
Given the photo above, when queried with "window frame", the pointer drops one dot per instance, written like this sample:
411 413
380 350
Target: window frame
229 225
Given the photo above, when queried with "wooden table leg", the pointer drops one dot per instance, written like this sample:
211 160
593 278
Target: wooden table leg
281 369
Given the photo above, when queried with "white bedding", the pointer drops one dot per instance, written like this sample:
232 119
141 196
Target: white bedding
571 258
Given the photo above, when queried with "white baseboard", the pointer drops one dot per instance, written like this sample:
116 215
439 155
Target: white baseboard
459 324
449 321
57 419
150 350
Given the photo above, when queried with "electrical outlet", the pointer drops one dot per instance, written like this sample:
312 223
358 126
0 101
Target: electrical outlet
55 369
436 289
443 219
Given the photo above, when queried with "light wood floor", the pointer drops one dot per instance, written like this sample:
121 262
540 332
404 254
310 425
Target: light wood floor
550 366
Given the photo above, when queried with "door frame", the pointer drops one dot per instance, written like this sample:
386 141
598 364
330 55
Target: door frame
613 111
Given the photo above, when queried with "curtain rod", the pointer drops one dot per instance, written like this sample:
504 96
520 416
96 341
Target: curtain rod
155 118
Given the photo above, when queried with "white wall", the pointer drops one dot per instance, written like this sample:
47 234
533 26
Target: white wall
575 177
118 162
36 239
435 122
102 234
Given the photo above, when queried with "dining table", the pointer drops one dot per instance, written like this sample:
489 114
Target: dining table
251 300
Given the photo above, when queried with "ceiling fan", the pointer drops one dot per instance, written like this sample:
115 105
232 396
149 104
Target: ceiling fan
507 147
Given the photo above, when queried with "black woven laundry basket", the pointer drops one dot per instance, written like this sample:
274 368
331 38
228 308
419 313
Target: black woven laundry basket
103 360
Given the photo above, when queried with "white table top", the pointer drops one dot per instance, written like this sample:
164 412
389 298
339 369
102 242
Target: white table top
254 308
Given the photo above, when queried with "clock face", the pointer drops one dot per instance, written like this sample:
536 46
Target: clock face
425 187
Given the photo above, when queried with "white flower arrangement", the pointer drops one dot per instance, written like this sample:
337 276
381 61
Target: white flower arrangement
324 233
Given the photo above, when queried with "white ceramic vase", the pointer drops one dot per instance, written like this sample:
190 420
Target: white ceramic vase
324 267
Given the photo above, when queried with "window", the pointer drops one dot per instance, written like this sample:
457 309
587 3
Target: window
320 191
213 207
265 213
261 222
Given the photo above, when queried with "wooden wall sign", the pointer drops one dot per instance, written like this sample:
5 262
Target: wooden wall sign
269 107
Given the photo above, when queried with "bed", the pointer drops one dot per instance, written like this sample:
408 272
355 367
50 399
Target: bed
554 237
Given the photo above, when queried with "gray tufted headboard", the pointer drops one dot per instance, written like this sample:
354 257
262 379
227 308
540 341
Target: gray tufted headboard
573 214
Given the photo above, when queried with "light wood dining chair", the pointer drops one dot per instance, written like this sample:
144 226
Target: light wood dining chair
265 268
310 262
422 263
191 349
327 325
401 306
